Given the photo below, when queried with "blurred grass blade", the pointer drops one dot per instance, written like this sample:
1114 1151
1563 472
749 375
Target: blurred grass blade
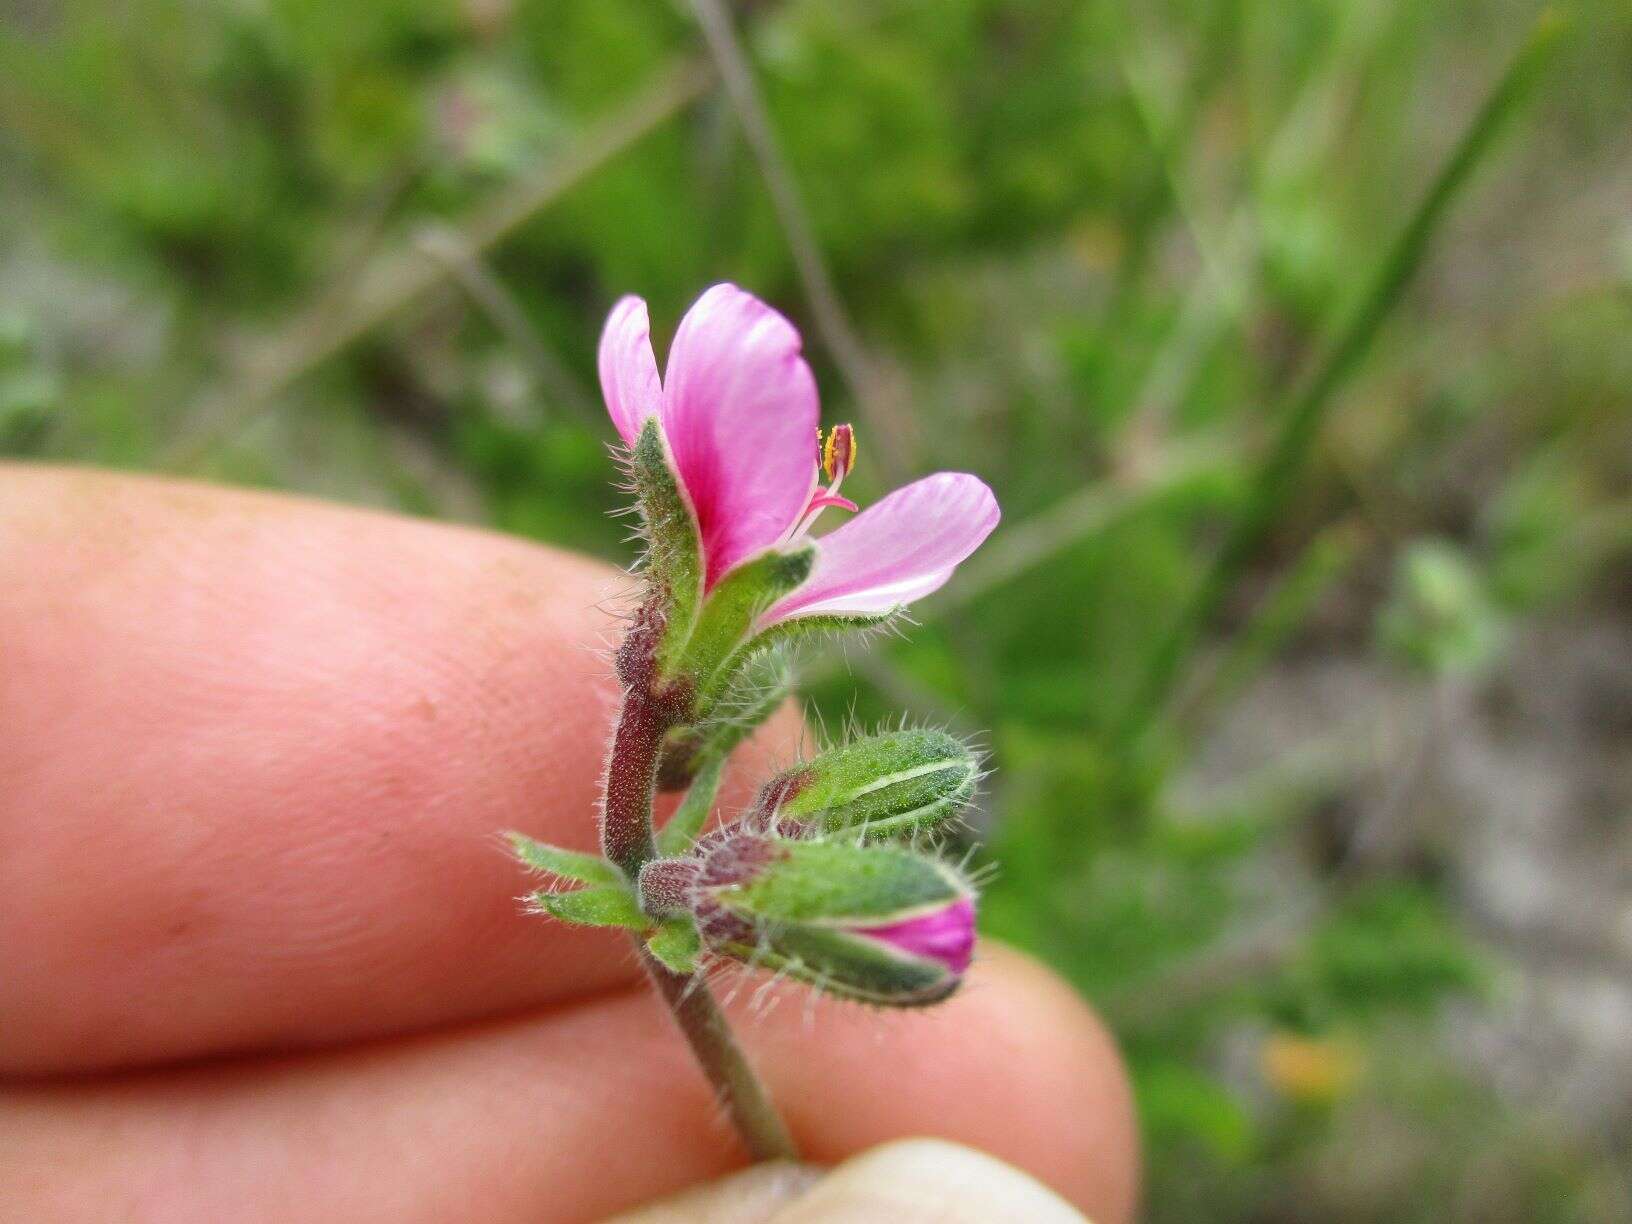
1170 143
1327 558
1302 420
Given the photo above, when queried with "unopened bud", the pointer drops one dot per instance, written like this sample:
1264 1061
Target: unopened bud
880 924
881 786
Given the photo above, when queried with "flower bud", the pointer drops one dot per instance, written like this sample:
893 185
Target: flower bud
879 924
881 786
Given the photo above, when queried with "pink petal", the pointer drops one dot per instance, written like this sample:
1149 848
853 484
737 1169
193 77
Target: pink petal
628 370
947 935
740 412
897 550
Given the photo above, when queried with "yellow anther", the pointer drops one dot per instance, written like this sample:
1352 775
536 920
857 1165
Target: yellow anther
839 452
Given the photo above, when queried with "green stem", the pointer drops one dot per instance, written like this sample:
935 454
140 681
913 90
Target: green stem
627 839
736 1086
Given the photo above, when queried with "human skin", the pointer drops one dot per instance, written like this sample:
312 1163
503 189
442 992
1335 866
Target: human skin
260 954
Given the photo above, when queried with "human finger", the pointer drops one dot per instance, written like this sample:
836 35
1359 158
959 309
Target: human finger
256 757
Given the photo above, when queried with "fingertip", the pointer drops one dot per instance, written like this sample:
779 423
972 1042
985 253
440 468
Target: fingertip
928 1179
1100 1123
907 1179
752 1196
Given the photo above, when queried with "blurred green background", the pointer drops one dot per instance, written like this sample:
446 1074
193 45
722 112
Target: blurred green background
1293 335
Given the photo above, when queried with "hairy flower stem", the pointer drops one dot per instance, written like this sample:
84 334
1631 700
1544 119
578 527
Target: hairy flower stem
626 839
735 1085
631 780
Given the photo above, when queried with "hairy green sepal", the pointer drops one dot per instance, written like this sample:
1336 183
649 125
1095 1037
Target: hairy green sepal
568 864
805 915
886 785
849 966
800 629
838 883
674 550
677 945
784 636
611 905
725 625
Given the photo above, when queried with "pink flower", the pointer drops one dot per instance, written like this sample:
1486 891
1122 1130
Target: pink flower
946 935
738 410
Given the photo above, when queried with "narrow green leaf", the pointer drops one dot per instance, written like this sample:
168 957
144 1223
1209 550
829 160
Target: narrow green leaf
688 819
1285 609
677 944
568 864
614 906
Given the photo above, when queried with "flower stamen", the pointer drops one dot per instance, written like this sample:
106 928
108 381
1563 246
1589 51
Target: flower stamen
839 453
837 456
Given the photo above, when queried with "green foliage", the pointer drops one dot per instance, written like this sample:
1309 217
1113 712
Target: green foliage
30 390
1389 950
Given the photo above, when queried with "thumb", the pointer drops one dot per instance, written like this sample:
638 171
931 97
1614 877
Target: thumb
911 1181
